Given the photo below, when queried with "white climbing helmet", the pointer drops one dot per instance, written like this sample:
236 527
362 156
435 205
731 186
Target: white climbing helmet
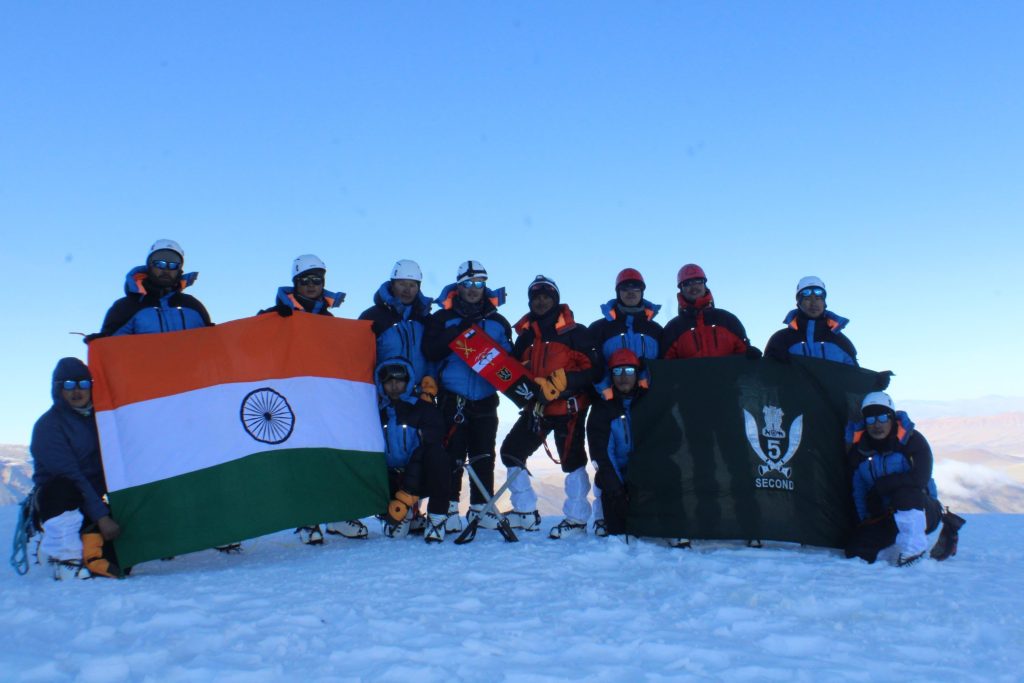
306 262
407 270
469 270
878 398
170 245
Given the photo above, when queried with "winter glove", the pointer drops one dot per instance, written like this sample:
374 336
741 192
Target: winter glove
778 354
548 392
283 311
398 508
428 388
108 528
882 380
753 352
559 380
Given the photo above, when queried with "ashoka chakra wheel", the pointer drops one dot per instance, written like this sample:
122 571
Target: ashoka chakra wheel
266 416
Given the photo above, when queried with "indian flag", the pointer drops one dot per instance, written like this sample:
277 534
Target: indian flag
215 435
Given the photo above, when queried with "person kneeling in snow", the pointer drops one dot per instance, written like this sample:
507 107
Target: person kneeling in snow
418 465
893 489
69 481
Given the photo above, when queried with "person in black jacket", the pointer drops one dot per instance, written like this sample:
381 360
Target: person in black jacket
893 490
418 465
559 353
155 300
811 330
76 523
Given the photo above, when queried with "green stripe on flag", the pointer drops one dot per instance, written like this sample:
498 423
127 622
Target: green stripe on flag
245 498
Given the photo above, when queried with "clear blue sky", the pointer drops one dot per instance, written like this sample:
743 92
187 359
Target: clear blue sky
877 145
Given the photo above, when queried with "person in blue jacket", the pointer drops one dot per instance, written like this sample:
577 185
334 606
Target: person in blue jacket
76 523
307 293
627 323
418 465
469 403
893 490
610 437
811 330
399 315
155 300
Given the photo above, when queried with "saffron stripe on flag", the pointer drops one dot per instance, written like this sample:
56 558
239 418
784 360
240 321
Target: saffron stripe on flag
137 368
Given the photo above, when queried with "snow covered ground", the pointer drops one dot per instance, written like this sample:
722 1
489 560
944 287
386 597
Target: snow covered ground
540 610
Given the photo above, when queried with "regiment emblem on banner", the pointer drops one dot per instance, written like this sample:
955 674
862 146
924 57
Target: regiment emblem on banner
774 471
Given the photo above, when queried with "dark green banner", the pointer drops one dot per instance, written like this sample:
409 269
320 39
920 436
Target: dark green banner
732 448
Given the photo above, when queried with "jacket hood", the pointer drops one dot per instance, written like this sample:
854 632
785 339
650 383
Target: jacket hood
836 323
287 297
706 301
611 313
409 395
447 297
135 281
384 296
856 432
67 368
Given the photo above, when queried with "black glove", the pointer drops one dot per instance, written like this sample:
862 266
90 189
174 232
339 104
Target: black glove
283 311
882 380
753 352
778 354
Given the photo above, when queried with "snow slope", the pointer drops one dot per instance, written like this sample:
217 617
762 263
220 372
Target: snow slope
541 610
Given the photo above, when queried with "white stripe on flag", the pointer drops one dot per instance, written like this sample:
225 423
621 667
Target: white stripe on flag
166 437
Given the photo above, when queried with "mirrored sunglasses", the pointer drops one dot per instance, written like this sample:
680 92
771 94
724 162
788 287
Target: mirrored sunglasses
309 280
816 291
71 385
881 419
165 265
624 370
472 284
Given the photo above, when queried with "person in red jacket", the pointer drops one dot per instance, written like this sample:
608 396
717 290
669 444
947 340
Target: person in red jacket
560 354
701 330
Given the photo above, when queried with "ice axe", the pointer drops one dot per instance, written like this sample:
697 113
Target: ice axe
504 528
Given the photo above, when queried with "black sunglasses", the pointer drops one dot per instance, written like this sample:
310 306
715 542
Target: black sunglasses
310 280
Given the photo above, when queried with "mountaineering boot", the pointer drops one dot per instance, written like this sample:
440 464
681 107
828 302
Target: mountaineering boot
945 547
904 560
487 521
434 532
755 543
229 549
418 523
453 522
527 521
568 527
310 535
350 528
600 528
683 543
67 569
61 540
392 530
92 556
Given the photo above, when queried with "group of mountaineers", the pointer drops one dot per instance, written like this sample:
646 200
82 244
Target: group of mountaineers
440 418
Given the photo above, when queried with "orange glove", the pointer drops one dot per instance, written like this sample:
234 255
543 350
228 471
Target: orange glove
559 380
398 508
428 388
548 392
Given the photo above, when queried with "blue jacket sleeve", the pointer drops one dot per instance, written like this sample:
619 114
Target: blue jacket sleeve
54 455
861 486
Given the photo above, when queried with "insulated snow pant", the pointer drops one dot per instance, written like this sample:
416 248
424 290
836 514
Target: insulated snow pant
878 533
526 436
429 477
60 500
472 428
